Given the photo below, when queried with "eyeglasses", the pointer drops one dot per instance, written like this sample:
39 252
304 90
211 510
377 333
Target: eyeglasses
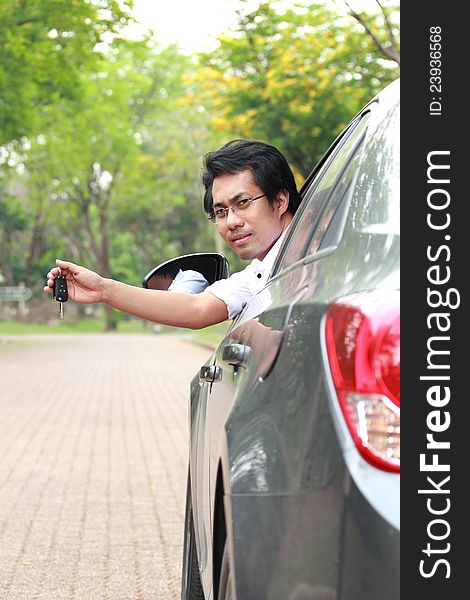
220 214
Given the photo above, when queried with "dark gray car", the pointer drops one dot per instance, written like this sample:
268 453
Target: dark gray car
293 488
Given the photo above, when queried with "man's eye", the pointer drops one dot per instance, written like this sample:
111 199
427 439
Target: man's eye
220 212
242 203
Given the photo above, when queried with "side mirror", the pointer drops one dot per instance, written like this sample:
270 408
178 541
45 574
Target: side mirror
210 265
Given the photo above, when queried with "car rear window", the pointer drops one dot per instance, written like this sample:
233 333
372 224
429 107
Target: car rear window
375 201
317 194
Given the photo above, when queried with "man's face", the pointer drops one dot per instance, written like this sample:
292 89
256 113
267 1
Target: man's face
250 234
161 283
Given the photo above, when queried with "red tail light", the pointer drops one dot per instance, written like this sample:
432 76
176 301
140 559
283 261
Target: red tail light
363 344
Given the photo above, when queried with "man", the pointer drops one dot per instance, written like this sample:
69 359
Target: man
251 197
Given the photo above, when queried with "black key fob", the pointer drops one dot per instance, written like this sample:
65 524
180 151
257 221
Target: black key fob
60 292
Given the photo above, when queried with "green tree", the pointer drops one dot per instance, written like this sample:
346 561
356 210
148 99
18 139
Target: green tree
44 47
381 27
15 222
115 184
293 78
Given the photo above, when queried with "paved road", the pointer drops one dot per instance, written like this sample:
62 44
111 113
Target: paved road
93 453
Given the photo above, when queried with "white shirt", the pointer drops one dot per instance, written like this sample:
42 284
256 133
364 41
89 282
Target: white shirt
240 287
191 282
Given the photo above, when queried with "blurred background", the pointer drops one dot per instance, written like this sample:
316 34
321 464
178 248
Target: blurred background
107 108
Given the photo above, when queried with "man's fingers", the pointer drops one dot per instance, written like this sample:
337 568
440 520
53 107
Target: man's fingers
61 269
70 266
53 273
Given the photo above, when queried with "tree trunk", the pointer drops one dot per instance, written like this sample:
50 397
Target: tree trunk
112 318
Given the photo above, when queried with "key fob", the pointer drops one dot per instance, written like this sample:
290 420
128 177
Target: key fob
60 292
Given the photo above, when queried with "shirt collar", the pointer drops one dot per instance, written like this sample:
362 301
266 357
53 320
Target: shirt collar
264 266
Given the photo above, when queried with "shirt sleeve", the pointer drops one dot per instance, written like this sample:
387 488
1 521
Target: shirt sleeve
190 282
234 291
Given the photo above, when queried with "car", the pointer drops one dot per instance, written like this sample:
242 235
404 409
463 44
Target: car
294 467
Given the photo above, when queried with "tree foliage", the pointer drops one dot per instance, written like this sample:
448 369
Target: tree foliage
44 47
381 27
293 77
109 185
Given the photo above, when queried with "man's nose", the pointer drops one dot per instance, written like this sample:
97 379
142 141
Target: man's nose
234 220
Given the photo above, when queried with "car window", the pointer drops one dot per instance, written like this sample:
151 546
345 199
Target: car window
329 229
375 202
305 222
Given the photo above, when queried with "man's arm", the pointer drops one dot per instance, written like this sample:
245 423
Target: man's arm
176 309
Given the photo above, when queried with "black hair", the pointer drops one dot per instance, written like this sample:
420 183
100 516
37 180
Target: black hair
168 271
270 169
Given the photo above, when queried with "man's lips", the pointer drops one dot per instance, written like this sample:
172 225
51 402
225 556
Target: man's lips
240 239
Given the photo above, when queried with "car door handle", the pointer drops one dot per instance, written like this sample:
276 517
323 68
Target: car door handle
236 354
210 374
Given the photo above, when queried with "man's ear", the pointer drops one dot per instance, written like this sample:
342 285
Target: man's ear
282 201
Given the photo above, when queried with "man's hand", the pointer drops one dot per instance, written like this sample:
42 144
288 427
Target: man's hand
84 286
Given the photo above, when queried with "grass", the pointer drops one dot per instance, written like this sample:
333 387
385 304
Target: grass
92 325
210 336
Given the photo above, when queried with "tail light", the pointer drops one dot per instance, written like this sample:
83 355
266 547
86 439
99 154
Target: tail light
363 344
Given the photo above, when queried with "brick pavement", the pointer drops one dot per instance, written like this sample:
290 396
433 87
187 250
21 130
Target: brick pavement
93 460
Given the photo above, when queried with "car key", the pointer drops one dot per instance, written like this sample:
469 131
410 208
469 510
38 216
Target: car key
60 293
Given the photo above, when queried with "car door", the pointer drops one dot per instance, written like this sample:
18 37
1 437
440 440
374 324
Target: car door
245 358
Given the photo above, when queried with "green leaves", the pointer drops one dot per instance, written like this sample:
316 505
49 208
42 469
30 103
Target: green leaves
293 78
45 45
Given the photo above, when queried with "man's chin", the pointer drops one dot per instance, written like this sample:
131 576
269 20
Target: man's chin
244 252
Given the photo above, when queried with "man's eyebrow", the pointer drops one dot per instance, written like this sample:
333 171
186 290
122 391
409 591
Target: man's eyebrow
232 199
